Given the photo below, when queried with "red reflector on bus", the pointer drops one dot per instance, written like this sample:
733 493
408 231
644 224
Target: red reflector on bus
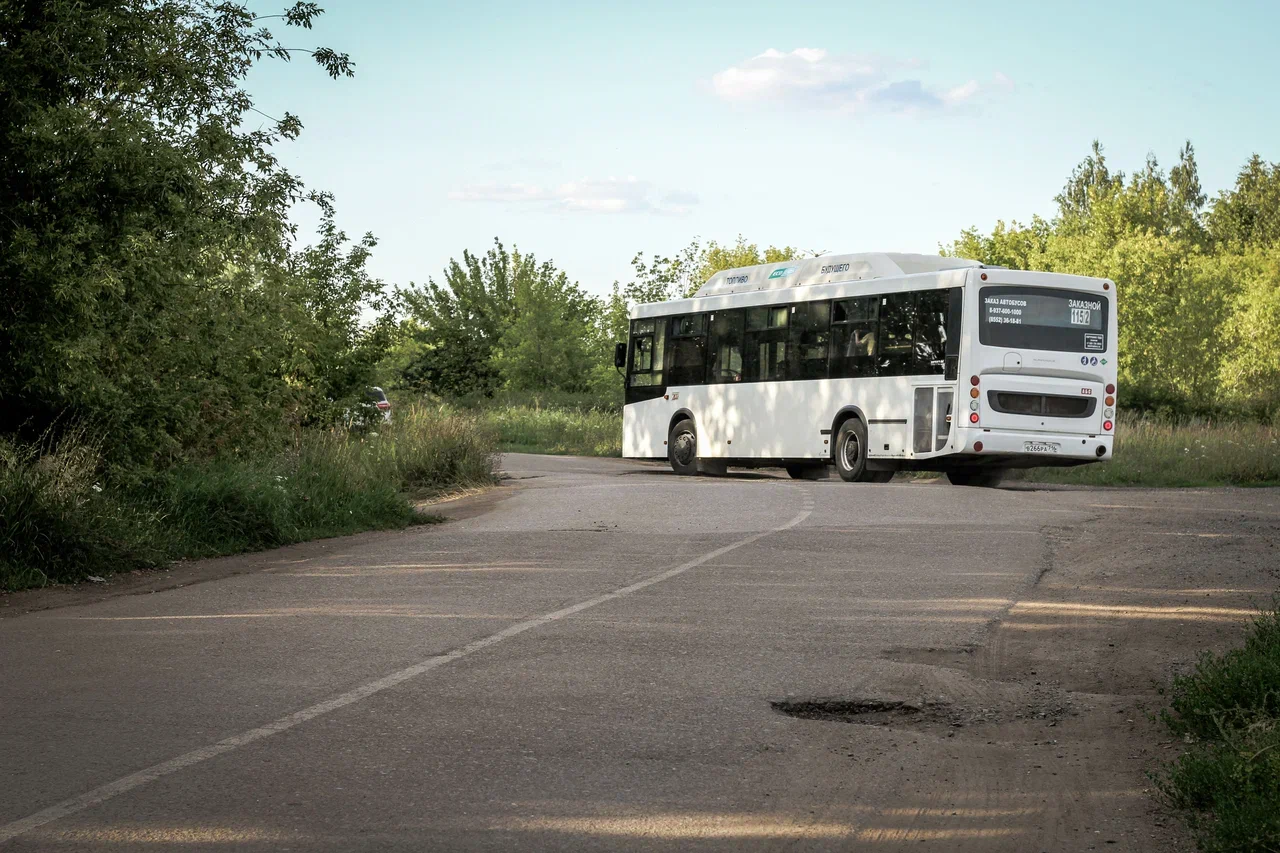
973 380
973 417
977 446
984 276
1111 389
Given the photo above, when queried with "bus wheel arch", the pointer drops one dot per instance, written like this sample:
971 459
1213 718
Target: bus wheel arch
682 443
680 415
841 416
849 449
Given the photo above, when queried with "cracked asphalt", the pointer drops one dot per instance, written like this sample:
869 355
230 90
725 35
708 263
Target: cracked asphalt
600 655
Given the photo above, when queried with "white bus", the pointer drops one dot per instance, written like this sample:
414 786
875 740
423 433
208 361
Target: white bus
874 363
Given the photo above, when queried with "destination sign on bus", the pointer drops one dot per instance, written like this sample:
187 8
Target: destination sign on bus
1033 309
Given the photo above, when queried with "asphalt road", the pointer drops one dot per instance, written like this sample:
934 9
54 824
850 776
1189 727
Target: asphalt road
601 655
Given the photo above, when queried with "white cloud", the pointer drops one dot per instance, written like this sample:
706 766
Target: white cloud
499 192
609 195
812 77
961 93
1002 81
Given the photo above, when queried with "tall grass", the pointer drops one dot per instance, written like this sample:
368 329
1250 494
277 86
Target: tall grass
62 519
1157 452
558 422
555 430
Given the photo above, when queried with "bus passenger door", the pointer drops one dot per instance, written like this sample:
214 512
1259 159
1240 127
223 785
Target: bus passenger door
931 419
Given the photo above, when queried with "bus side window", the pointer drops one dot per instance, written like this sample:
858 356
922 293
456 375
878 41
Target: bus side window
724 350
930 332
853 337
687 350
897 324
810 335
955 311
764 344
646 353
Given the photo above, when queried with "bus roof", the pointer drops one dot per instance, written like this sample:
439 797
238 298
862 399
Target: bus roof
827 268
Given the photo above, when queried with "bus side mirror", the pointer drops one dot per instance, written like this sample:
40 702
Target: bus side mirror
620 355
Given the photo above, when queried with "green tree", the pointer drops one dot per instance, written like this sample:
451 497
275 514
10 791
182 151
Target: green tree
1249 213
145 243
662 278
1250 371
1146 233
501 320
549 342
456 327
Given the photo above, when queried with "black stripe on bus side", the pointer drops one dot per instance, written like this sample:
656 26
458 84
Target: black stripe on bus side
824 432
887 421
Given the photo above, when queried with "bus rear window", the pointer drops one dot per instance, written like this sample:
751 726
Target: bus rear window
1042 318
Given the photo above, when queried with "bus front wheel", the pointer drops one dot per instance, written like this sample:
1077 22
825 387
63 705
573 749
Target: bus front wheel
851 451
682 448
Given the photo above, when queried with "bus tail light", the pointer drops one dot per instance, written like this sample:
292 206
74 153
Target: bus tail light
1111 389
973 380
973 417
1106 426
973 392
1111 401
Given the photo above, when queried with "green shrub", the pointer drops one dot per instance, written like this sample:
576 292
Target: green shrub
434 450
1231 690
57 522
1229 790
1228 709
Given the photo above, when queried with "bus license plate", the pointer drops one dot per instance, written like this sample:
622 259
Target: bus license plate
1041 446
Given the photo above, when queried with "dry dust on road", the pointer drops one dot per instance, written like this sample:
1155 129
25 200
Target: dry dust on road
600 655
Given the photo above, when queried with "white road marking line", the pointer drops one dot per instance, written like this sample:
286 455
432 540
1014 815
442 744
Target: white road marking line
142 777
1185 508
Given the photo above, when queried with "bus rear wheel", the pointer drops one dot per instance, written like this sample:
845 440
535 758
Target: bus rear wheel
682 448
985 477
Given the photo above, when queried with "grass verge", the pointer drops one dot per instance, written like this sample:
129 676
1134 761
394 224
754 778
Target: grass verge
61 519
549 422
523 429
1227 783
1150 452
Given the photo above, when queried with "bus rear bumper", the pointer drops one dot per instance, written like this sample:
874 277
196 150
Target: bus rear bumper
1026 449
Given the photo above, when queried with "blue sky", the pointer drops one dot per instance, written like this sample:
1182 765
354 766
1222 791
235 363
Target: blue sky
585 132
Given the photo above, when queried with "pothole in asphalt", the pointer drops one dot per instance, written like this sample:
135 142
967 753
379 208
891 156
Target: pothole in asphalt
865 711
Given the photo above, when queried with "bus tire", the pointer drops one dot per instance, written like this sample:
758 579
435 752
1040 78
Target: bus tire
851 451
682 448
807 470
982 477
